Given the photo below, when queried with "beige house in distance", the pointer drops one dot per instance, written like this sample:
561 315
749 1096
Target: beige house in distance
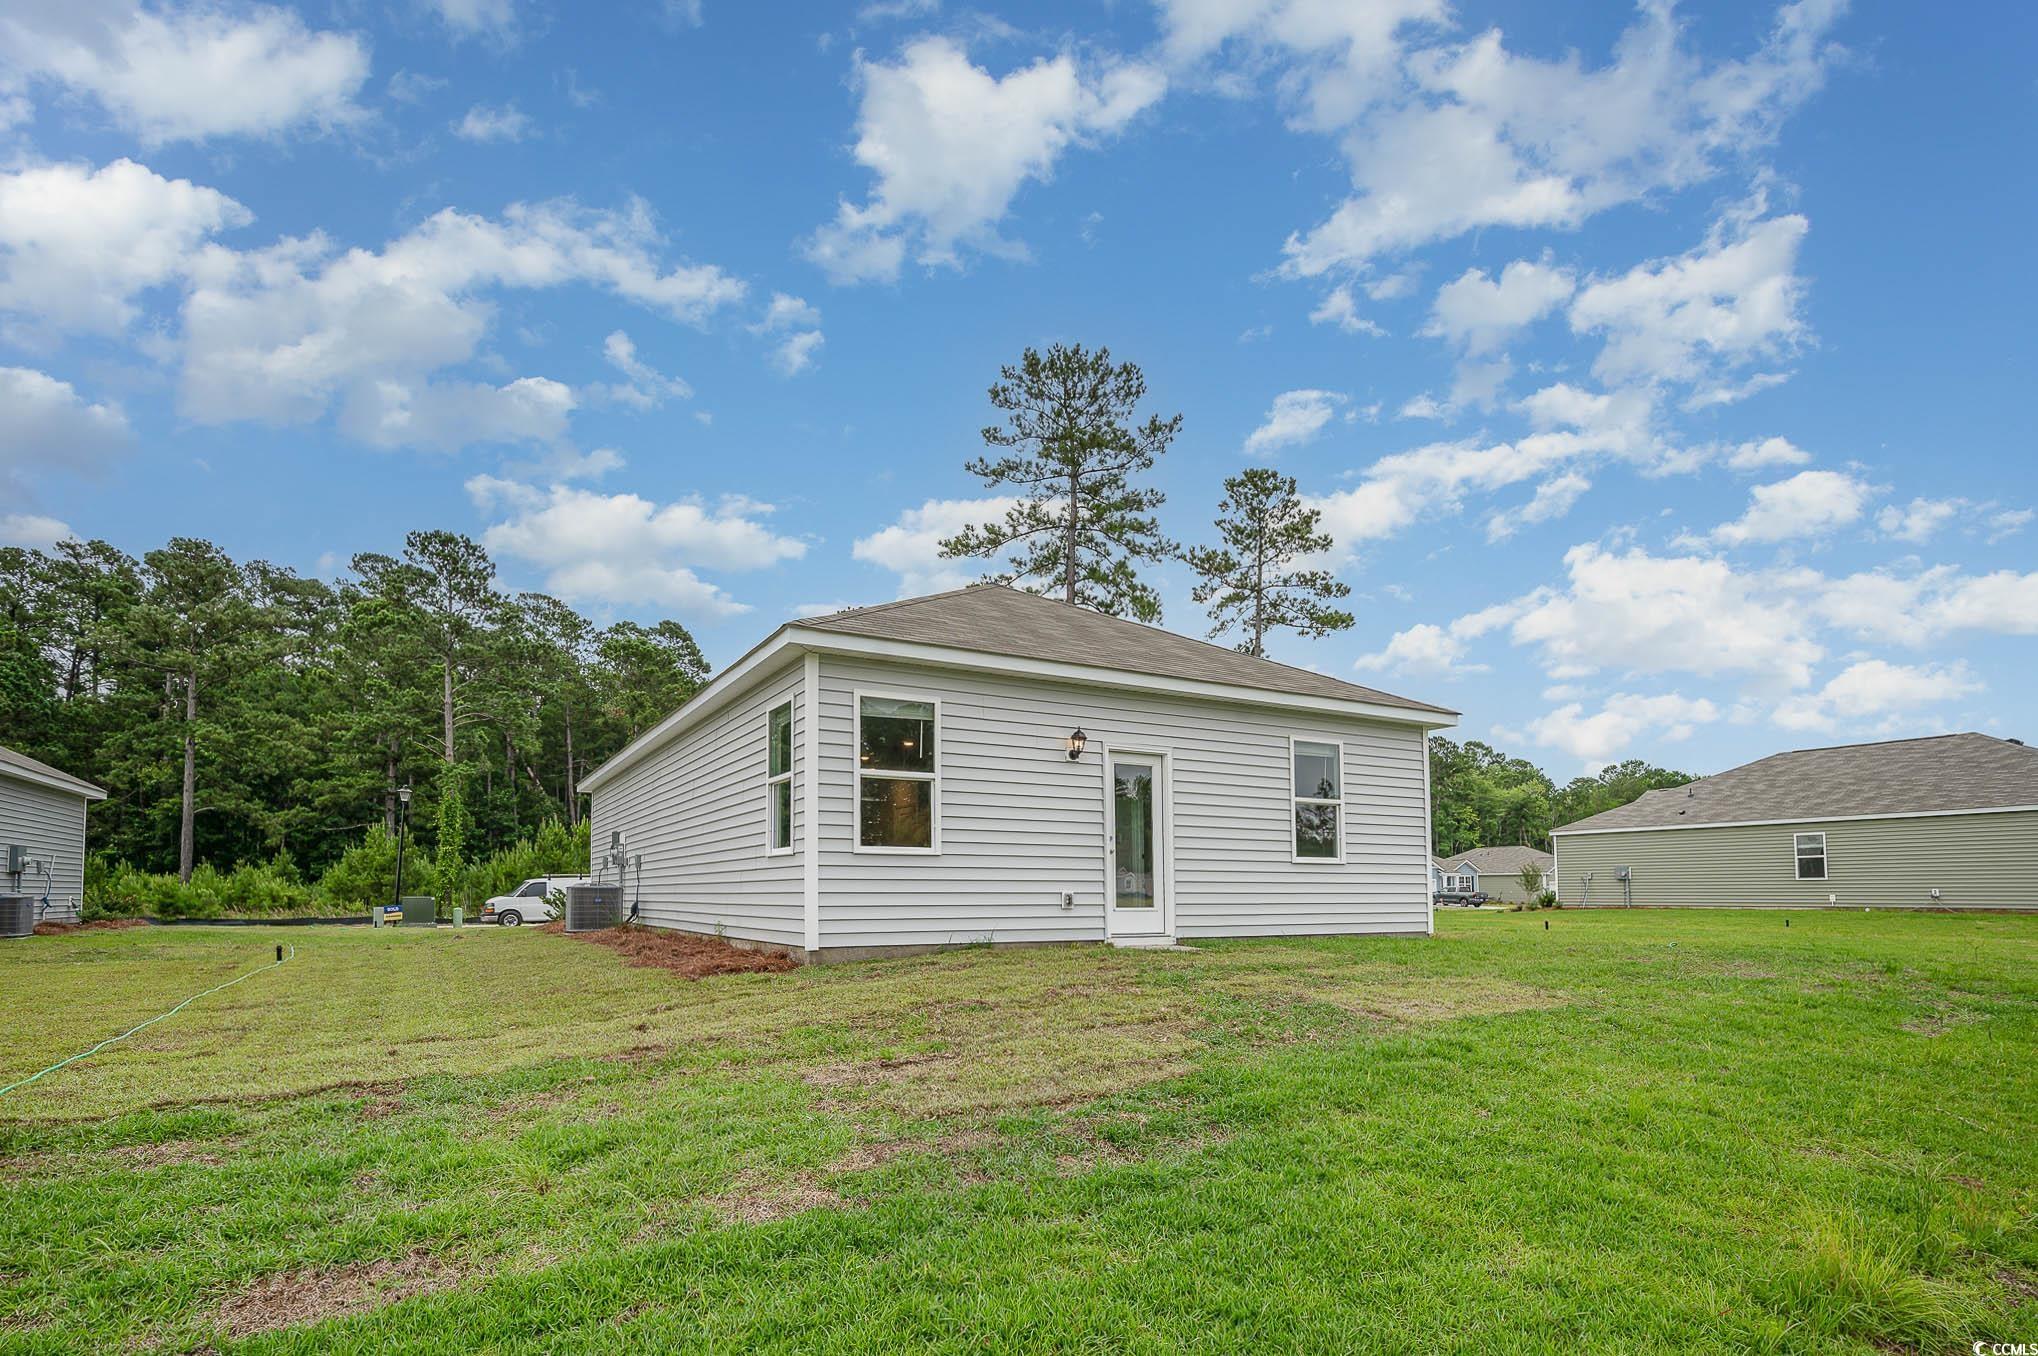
1492 871
1947 822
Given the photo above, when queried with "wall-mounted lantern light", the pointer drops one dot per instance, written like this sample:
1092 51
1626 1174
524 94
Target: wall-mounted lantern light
1077 739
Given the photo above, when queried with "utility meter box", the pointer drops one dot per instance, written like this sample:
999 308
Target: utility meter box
420 911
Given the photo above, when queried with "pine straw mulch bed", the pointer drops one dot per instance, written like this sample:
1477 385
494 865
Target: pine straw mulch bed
97 925
684 953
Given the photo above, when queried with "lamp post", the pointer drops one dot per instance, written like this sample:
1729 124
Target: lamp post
402 823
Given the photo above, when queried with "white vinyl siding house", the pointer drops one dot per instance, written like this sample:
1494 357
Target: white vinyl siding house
42 810
949 812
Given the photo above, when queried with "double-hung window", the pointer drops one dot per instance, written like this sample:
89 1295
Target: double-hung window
1810 849
898 795
779 772
1319 800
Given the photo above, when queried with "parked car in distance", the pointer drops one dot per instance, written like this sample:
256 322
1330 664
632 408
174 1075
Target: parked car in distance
1470 899
537 900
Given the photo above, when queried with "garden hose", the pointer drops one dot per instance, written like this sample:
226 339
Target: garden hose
281 957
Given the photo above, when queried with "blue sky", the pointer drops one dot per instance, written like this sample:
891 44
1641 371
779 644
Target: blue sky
1662 375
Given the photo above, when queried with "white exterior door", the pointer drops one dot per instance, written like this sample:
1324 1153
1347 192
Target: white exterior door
1139 859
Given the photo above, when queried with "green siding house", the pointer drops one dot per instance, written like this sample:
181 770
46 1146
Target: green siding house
1949 822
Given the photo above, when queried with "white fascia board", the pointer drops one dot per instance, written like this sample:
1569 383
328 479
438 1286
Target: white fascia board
1803 819
82 790
940 656
726 686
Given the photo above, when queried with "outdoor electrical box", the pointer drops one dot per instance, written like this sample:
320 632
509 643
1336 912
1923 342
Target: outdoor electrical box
420 911
1620 873
17 859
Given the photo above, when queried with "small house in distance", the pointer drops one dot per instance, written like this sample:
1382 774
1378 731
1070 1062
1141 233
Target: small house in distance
987 765
1947 822
42 836
1492 871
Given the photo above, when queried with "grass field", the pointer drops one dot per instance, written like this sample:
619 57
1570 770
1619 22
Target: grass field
1631 1132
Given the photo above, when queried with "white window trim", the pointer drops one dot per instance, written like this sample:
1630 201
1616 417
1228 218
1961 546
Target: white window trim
771 849
1798 858
856 843
1343 825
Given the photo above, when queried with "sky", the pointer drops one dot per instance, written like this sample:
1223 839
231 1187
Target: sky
1662 375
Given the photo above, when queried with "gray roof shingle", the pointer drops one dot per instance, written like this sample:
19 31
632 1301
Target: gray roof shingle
1503 861
1900 776
992 619
21 762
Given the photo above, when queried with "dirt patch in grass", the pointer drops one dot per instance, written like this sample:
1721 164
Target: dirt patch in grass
171 1153
319 1293
97 925
683 953
753 1200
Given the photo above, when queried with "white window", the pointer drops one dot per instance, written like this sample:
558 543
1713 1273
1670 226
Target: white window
1811 855
898 767
779 775
1319 800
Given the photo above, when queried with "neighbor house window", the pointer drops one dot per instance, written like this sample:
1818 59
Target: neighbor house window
780 769
1811 855
1319 800
896 768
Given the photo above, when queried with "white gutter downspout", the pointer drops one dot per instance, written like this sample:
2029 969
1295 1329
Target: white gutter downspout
810 795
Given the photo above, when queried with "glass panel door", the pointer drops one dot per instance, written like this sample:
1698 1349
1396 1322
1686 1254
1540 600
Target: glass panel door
1136 847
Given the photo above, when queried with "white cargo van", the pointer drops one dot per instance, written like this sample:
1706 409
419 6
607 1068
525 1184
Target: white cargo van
537 900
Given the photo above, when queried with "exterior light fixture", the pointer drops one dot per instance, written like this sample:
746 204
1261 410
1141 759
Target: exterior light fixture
1077 739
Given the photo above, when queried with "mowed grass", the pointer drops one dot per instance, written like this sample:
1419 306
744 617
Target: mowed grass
1629 1132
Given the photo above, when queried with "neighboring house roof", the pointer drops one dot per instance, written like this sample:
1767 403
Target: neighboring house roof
1499 861
1007 631
992 619
24 768
1943 774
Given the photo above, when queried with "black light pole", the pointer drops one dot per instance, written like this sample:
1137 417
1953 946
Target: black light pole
402 823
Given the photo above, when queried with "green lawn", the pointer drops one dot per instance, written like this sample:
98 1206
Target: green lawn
1630 1132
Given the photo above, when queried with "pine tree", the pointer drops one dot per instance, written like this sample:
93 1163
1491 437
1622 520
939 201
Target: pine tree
1252 582
1072 455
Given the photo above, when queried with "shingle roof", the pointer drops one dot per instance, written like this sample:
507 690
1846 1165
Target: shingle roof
1499 861
992 619
1901 776
21 763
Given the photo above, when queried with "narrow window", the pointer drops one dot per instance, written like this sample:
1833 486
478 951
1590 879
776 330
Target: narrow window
1319 801
1811 855
896 768
780 773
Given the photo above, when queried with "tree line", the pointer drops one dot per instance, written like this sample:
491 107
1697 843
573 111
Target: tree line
1481 797
240 712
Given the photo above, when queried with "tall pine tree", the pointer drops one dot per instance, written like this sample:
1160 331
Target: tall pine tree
1256 583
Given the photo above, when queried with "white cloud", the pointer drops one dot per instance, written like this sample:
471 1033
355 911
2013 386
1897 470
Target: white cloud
1446 137
1295 417
1922 607
192 72
485 123
1732 392
1732 300
1920 520
646 387
1753 456
276 335
469 18
33 530
1338 308
1424 648
951 145
78 246
1876 689
1600 737
799 327
1808 504
1479 314
911 546
45 425
2008 522
628 550
449 415
1553 499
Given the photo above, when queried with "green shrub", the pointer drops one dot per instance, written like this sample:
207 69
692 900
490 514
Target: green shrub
365 874
553 850
117 890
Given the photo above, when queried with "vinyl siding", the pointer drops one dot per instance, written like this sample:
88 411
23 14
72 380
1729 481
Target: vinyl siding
51 825
1983 861
1020 823
697 809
